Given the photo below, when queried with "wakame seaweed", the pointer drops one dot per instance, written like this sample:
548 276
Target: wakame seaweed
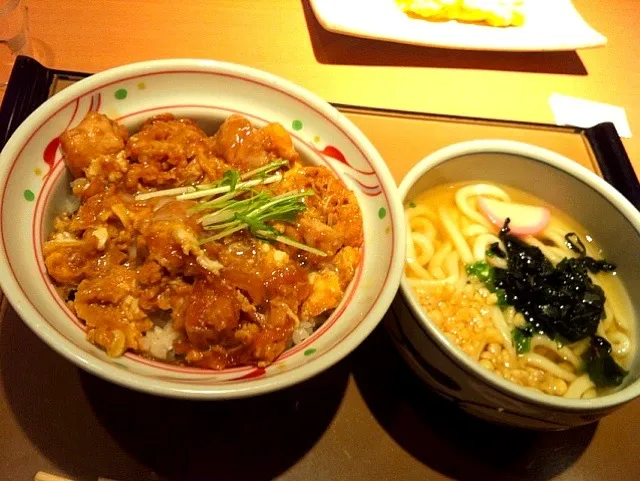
495 251
558 301
602 369
575 244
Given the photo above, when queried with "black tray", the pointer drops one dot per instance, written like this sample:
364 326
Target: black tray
31 84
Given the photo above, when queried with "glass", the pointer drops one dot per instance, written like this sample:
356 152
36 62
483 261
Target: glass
14 35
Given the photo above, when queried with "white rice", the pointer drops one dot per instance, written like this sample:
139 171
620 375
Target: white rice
69 204
302 332
159 341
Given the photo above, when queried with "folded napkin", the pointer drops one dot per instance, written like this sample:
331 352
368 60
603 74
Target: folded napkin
587 113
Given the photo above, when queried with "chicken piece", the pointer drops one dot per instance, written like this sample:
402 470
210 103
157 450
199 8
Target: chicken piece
165 152
332 219
66 261
178 298
190 246
258 345
279 141
95 136
113 317
95 210
244 148
336 205
149 273
346 261
102 171
108 167
213 168
175 247
264 329
83 188
246 281
70 259
163 247
110 288
325 295
170 238
319 235
212 314
273 339
104 207
153 288
290 282
268 345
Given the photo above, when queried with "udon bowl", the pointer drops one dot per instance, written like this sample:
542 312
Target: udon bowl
580 193
34 185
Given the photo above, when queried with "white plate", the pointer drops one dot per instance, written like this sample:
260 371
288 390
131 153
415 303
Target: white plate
383 20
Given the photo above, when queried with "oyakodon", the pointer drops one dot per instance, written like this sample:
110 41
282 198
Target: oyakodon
214 251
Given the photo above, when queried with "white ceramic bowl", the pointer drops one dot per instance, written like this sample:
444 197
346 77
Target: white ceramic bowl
34 185
602 210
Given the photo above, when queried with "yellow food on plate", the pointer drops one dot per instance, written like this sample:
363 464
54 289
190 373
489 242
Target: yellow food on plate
496 13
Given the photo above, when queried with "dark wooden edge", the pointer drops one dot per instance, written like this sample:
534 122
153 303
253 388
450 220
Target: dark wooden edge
613 160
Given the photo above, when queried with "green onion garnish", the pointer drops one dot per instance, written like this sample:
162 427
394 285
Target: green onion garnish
228 183
242 207
253 214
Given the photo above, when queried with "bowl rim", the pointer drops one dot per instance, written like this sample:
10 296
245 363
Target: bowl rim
163 387
569 167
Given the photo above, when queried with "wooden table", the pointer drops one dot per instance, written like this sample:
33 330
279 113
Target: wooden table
283 37
359 420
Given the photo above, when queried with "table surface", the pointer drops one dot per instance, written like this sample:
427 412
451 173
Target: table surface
284 37
54 417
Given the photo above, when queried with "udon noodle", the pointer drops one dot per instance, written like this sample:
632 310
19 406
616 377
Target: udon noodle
456 264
